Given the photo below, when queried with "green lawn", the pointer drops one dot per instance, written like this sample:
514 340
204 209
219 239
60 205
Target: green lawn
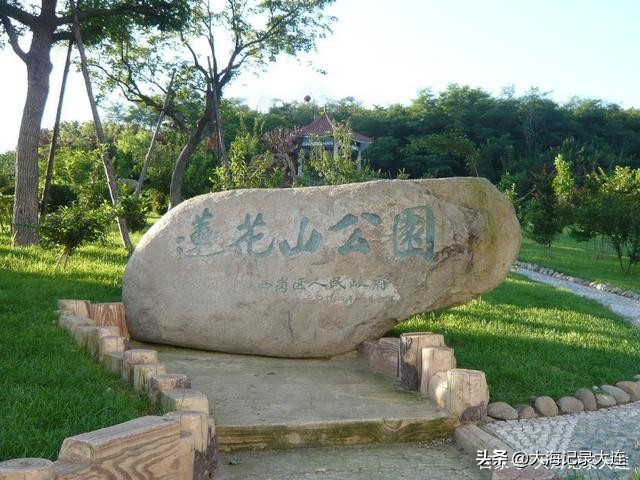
531 339
589 261
49 389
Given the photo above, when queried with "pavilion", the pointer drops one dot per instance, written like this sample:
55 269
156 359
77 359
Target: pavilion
320 132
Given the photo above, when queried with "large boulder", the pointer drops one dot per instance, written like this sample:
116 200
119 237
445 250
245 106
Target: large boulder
310 272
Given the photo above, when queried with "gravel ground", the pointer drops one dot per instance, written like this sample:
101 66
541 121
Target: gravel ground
615 429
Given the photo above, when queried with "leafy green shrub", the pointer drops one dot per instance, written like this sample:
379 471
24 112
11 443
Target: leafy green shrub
248 168
544 219
60 196
74 225
158 200
336 167
134 209
609 206
6 211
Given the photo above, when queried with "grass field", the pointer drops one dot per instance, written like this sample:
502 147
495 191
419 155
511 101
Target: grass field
531 339
590 261
48 388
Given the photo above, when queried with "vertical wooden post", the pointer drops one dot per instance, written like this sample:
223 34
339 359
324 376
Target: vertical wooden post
467 395
411 345
106 159
44 203
149 156
435 360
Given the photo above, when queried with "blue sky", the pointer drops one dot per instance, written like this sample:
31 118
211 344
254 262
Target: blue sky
384 51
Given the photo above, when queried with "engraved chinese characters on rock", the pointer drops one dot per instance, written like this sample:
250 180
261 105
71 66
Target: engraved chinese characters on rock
201 237
249 237
356 241
341 289
413 235
310 246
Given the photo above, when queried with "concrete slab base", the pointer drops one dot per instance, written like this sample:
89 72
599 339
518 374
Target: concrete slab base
265 403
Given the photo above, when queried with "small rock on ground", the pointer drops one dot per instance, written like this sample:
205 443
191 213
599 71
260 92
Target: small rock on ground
546 406
587 398
632 388
526 411
605 400
570 405
620 395
502 411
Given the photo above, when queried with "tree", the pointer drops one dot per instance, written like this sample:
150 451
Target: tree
256 32
544 220
48 27
609 205
563 185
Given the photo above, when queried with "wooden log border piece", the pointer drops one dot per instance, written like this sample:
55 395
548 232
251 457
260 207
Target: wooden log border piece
423 362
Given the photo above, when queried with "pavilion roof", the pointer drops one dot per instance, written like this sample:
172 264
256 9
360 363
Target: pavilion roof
323 126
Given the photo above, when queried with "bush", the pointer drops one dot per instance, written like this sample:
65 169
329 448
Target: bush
158 200
72 226
134 210
248 168
334 167
544 218
60 196
6 211
609 206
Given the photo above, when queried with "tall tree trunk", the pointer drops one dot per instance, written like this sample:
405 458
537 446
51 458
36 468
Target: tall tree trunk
217 117
44 203
106 159
149 156
25 209
175 190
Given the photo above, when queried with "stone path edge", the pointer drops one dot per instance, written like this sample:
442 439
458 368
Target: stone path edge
184 440
580 281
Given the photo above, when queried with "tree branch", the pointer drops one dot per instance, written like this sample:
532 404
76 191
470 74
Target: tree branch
108 12
17 14
13 37
132 93
196 62
227 73
66 36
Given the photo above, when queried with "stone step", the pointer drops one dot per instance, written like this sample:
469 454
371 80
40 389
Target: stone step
260 402
334 433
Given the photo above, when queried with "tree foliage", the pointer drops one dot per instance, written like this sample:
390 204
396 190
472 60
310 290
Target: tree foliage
46 25
254 32
609 206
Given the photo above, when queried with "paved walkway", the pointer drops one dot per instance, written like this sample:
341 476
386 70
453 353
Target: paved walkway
623 306
375 462
615 429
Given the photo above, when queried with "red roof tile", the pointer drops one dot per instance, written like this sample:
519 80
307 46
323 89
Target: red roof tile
323 126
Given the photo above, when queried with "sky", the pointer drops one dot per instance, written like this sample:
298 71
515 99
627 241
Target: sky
384 51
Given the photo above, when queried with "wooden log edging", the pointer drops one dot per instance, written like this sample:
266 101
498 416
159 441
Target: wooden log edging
422 362
181 445
464 393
